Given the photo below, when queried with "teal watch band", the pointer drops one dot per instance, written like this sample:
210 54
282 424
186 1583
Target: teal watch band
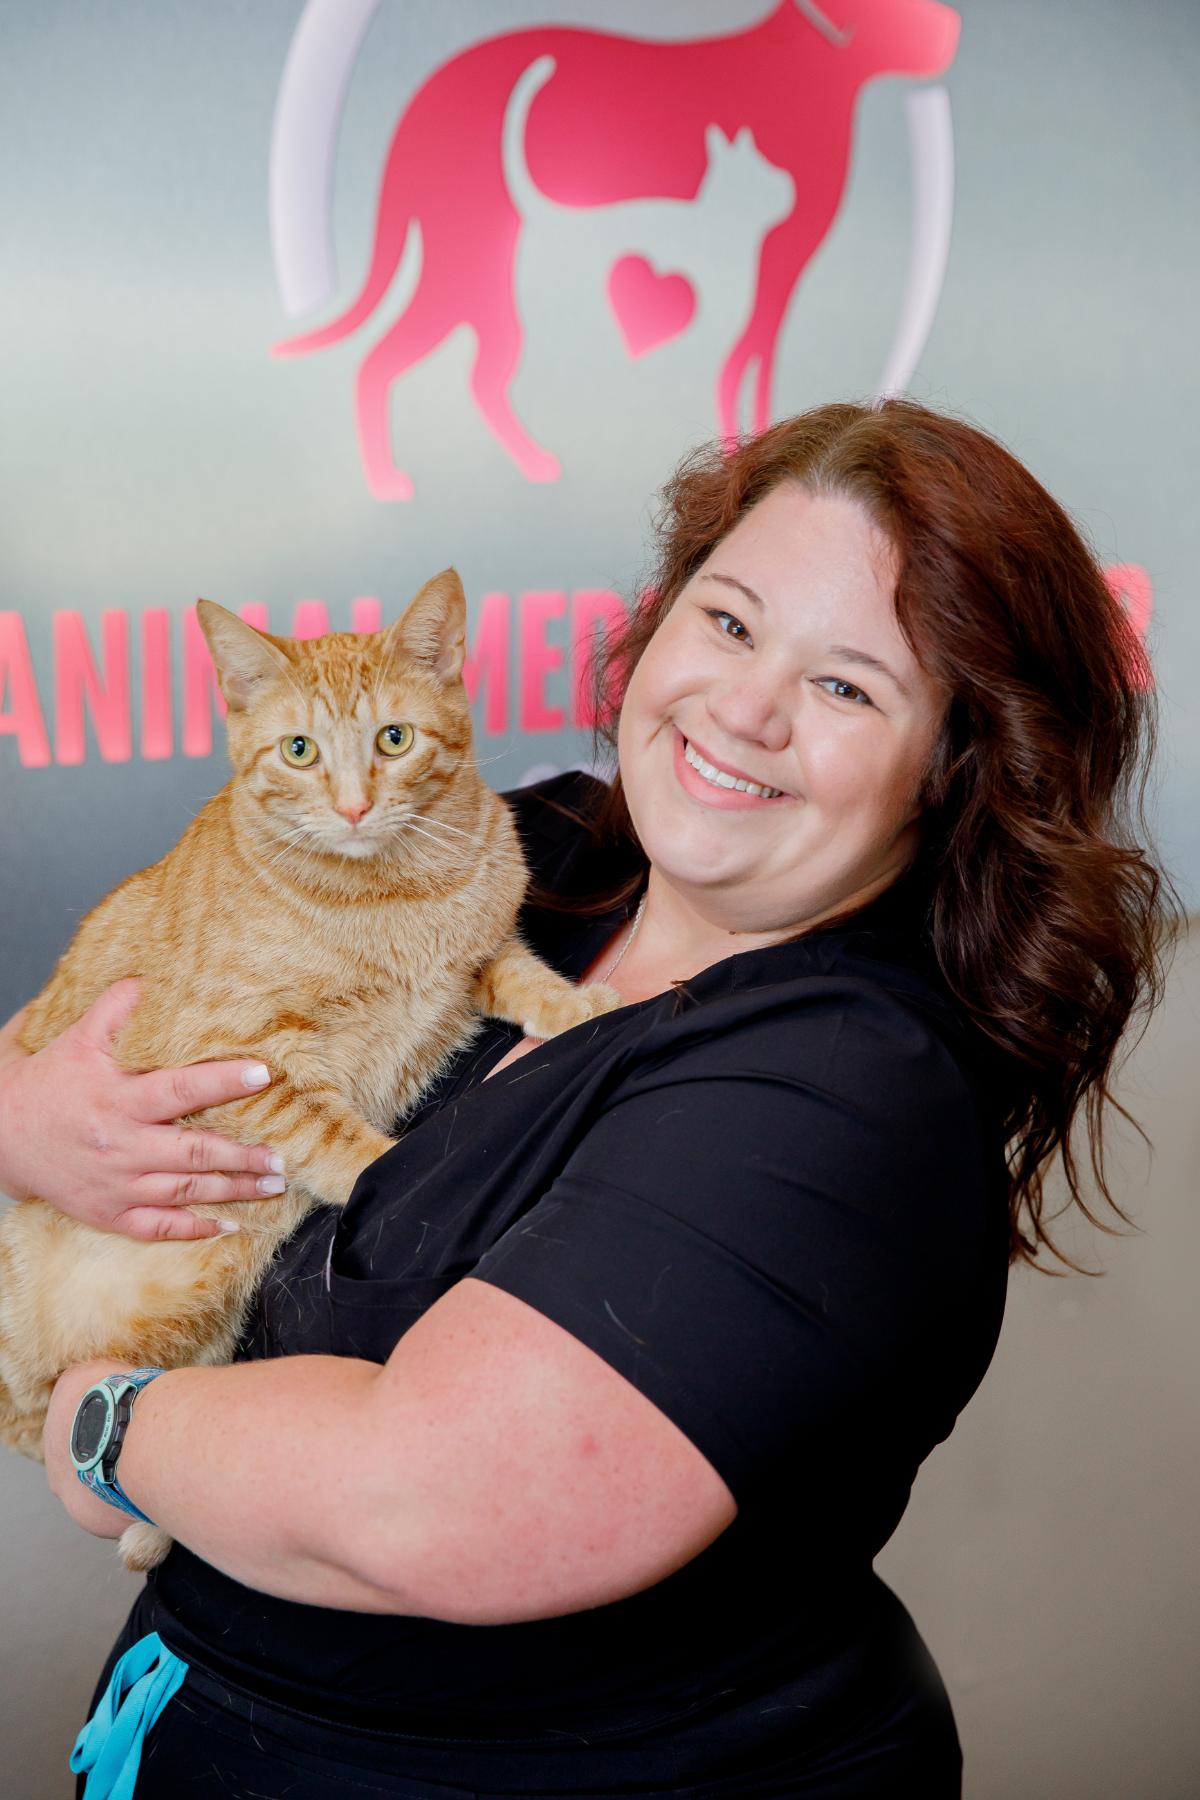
98 1432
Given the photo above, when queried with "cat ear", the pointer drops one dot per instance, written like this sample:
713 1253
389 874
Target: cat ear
432 630
244 658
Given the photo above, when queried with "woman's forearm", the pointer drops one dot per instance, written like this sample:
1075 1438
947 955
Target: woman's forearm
314 1478
278 1474
493 1470
288 1475
249 1467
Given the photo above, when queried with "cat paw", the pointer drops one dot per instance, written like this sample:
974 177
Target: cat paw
143 1547
561 1012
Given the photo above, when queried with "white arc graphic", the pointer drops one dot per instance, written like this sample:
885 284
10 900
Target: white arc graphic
308 114
931 145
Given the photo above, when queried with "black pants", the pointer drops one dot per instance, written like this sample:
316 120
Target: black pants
892 1738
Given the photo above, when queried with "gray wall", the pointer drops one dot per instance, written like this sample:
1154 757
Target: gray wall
150 450
1050 1554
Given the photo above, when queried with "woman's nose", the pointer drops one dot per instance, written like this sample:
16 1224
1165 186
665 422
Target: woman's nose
754 708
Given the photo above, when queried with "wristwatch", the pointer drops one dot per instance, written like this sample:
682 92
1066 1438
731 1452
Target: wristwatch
98 1431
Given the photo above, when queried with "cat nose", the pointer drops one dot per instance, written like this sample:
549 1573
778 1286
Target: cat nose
353 810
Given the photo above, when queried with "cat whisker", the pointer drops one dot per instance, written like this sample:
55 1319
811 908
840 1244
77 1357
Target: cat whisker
281 848
432 827
472 837
291 834
478 762
409 831
408 825
288 844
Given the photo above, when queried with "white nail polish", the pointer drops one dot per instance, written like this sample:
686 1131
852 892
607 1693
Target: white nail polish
255 1075
275 1164
271 1184
228 1225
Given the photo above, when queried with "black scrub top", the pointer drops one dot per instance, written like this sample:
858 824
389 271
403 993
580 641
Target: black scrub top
773 1199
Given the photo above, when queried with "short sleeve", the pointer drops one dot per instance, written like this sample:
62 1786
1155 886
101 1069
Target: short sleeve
756 1231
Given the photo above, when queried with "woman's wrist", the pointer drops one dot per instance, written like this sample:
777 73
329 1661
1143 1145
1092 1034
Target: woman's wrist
85 1508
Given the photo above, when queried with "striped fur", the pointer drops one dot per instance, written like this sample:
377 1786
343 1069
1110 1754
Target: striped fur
352 959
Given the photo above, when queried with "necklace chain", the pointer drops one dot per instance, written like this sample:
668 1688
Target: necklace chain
637 919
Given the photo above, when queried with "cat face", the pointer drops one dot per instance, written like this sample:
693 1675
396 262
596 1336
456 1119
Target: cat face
352 747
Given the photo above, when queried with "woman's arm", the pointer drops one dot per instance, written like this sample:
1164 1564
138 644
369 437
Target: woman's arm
78 1130
494 1470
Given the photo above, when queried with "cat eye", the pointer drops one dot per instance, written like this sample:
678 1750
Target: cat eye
301 752
394 740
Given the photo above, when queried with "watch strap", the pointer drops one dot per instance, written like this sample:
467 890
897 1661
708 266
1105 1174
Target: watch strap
102 1479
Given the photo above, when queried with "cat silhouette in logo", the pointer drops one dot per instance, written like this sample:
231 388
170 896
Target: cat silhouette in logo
617 119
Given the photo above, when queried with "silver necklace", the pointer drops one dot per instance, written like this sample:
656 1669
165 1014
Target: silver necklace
637 919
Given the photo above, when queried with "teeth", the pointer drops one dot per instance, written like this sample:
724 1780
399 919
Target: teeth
719 778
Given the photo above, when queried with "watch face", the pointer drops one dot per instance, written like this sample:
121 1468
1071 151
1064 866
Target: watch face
90 1428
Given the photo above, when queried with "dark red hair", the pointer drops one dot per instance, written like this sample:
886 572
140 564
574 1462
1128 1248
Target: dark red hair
1046 907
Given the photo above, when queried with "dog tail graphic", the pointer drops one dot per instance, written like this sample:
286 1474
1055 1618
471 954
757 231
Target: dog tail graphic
398 213
443 186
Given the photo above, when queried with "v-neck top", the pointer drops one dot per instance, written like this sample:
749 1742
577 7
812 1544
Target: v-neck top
773 1199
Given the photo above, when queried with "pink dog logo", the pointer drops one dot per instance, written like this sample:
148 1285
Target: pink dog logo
609 119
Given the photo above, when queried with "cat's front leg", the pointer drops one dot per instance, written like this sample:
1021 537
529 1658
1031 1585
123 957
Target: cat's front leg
324 1143
517 986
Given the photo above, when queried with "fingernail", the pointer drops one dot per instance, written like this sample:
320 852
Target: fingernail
228 1225
271 1184
275 1164
256 1075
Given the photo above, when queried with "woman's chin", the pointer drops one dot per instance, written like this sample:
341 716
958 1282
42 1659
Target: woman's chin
696 854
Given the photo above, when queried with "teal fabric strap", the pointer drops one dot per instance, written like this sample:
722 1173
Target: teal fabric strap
93 1479
109 1748
113 1492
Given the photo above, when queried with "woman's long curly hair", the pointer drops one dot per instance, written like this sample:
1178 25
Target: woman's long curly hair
1047 910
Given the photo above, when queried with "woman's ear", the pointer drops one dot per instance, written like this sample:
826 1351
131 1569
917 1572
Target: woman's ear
432 630
243 657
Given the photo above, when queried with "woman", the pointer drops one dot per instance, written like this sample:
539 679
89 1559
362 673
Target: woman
557 1463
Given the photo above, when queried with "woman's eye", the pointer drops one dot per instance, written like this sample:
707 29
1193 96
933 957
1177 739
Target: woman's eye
730 626
394 740
844 690
300 752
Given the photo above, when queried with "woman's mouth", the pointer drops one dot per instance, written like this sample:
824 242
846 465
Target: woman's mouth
719 777
726 786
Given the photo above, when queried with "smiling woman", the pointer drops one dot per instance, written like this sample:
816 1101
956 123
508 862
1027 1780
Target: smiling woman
988 721
769 695
630 1354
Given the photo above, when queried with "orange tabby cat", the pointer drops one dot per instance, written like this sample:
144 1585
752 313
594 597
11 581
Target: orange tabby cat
342 910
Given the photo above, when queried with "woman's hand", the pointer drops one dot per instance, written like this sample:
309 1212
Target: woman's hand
86 1508
78 1130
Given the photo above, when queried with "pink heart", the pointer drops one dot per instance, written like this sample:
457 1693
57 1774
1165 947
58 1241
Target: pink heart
651 309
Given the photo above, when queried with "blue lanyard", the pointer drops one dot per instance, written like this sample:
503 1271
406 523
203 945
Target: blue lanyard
109 1748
